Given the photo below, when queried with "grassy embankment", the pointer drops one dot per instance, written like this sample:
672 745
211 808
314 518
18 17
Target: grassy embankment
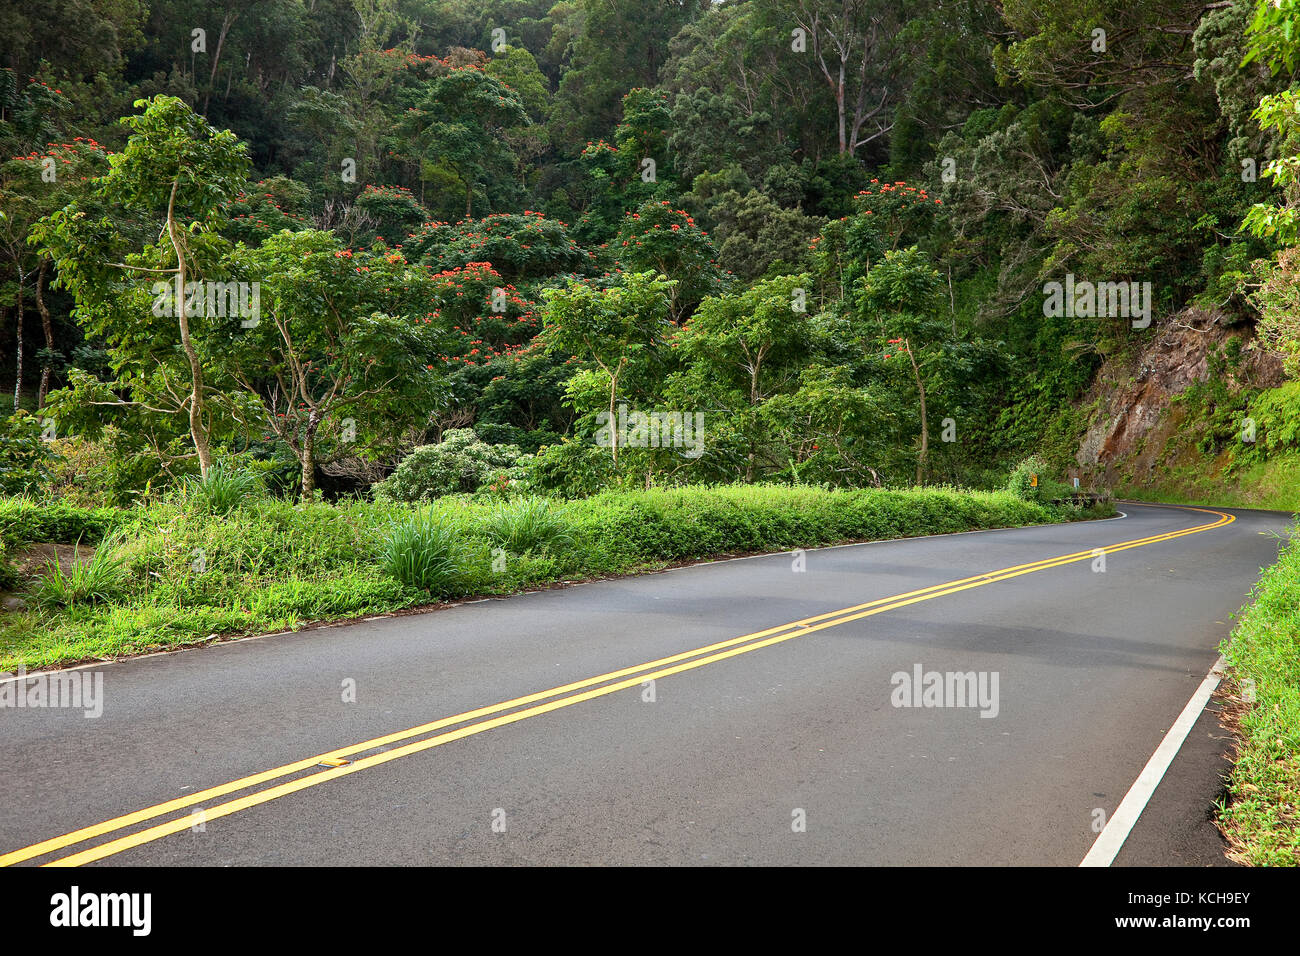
1272 485
1262 817
180 572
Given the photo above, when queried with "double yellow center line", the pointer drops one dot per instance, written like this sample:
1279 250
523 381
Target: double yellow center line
354 758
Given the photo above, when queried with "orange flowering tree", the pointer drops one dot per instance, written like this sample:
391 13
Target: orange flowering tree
658 238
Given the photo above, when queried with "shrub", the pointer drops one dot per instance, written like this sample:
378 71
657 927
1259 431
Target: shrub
424 552
119 467
24 454
99 580
574 469
1277 412
1021 482
460 464
528 524
23 521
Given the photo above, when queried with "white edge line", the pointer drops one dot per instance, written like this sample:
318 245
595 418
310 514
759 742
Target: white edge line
686 567
1112 838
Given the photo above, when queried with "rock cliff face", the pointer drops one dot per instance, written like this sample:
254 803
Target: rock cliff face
1134 421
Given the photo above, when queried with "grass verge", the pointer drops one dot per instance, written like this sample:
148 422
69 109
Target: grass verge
184 575
1272 485
1261 818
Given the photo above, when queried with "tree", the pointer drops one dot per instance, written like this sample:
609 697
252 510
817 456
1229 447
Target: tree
758 236
338 331
461 122
1275 40
614 45
517 70
744 349
608 327
900 306
660 238
32 184
179 172
850 42
527 246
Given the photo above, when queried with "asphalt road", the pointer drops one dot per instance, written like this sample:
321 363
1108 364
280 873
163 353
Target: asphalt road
787 747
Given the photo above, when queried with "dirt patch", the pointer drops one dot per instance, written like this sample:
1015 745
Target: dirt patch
35 558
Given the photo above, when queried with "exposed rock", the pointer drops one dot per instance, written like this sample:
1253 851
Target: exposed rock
1134 420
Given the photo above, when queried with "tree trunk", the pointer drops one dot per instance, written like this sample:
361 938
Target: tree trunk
925 439
198 428
48 328
613 420
229 19
308 458
753 400
925 424
18 345
839 104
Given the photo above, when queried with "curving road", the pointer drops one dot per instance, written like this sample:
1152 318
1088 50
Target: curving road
739 712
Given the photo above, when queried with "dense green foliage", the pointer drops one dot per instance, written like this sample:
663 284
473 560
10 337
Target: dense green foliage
853 210
459 464
173 573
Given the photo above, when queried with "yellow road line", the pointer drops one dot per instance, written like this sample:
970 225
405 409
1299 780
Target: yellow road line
716 652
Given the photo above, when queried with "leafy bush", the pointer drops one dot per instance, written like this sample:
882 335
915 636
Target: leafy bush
424 552
460 464
1021 483
527 524
224 489
24 455
570 468
23 521
99 580
1277 415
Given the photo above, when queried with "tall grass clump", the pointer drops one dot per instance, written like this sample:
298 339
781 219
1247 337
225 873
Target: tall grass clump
98 581
425 551
527 524
223 490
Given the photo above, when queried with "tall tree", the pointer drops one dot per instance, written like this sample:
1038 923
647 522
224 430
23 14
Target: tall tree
176 173
339 336
851 42
461 124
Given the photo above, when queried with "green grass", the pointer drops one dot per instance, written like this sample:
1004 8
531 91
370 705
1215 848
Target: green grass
224 489
1272 485
187 574
25 520
1262 818
425 552
98 580
527 525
